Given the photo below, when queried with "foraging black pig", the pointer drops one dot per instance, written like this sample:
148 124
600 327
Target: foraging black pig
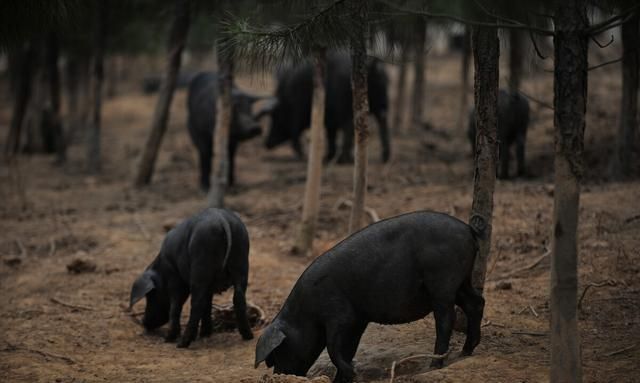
513 120
203 255
395 271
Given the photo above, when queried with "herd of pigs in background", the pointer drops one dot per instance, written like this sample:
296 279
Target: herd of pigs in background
395 271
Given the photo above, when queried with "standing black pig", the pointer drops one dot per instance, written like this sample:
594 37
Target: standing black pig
513 120
201 105
395 271
291 110
203 255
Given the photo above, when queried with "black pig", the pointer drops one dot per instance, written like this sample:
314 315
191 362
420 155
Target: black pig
395 271
203 255
513 120
290 111
201 104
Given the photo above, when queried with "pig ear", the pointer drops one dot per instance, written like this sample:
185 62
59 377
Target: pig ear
270 339
268 107
141 287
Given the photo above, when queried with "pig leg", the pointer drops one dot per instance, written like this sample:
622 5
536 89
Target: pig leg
205 165
240 309
472 304
297 146
232 162
504 160
383 130
346 155
179 295
520 143
199 297
444 313
206 325
342 343
331 143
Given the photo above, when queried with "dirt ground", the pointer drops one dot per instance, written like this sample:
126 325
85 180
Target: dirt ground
72 327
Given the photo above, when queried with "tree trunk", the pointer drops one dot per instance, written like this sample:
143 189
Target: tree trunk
224 107
515 60
26 57
401 92
359 88
621 160
311 207
486 54
53 76
417 98
93 133
177 39
570 97
78 92
464 75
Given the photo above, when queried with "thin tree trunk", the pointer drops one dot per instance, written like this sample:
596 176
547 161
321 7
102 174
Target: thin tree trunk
359 88
224 107
417 98
53 75
570 97
72 79
85 96
26 57
464 75
515 60
621 160
34 122
401 92
177 39
486 53
311 207
93 133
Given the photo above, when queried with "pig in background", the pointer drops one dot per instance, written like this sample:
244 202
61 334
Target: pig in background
201 102
290 111
513 121
203 255
395 271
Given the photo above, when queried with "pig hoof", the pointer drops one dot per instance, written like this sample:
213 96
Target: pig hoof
247 335
170 338
438 363
465 352
183 344
206 332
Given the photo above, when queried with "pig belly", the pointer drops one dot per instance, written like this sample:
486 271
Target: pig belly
397 306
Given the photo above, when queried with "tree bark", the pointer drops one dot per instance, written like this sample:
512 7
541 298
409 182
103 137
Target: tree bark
621 160
515 60
224 107
93 133
177 39
464 75
53 76
401 92
25 57
570 98
417 98
311 207
359 88
486 53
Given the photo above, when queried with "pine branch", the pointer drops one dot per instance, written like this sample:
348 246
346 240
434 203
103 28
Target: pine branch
264 47
600 44
475 23
604 64
624 16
